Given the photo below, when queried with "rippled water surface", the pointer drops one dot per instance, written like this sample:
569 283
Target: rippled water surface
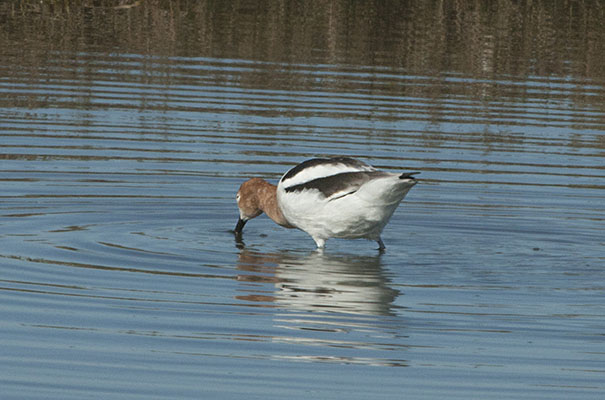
119 163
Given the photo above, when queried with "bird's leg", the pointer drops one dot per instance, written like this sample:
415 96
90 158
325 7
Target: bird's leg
321 243
381 245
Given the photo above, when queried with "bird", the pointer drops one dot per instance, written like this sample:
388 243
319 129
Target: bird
337 197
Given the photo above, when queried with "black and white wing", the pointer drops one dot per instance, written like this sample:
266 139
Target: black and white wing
331 177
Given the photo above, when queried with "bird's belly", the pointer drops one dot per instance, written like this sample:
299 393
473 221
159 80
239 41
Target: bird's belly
366 223
346 220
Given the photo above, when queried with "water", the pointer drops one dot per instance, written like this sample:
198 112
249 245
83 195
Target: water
121 155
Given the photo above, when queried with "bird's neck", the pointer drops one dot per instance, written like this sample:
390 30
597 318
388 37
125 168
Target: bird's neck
267 195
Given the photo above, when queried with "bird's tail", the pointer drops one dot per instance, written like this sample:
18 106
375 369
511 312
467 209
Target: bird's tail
408 175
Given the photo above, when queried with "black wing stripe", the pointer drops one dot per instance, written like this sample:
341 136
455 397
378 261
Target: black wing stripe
346 182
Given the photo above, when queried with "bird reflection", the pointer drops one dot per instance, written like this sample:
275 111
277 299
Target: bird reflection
317 282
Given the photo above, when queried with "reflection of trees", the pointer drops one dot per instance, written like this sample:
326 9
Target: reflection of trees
410 59
478 38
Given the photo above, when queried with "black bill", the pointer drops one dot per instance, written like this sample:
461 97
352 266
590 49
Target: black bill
239 226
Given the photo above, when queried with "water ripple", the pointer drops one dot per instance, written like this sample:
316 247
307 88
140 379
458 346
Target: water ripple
119 174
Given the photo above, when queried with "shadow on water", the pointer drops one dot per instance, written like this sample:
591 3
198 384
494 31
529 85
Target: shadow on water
318 282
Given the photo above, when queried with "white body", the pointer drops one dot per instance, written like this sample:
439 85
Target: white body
360 209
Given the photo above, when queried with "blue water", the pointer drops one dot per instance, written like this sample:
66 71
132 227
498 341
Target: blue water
120 277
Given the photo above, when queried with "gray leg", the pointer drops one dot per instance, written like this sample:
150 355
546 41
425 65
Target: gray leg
321 243
381 245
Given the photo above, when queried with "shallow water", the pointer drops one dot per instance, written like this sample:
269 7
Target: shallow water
119 274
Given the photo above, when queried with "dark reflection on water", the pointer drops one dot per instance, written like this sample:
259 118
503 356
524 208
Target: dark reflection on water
537 38
126 128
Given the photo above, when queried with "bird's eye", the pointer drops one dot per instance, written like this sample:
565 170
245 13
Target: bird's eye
237 198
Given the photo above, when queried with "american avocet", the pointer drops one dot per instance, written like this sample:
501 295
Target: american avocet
327 198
